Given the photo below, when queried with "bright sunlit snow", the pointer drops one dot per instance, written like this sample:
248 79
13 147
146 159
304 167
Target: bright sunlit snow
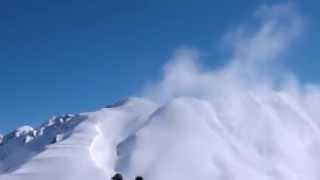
243 121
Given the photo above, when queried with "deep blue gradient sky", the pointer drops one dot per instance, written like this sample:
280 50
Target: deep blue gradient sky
78 55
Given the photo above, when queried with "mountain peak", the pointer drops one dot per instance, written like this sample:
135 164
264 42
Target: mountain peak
242 136
24 130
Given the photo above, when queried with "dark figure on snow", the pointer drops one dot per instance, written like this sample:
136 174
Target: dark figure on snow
139 178
117 177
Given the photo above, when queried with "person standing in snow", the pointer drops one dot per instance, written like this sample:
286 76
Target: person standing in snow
117 176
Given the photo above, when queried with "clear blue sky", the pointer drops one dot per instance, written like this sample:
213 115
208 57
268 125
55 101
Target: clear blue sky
78 55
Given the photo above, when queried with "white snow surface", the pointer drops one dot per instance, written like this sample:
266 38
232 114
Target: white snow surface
271 137
240 122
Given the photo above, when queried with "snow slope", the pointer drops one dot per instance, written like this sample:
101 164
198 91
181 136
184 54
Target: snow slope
238 122
270 137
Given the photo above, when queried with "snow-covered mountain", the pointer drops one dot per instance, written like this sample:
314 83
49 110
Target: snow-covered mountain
242 121
250 136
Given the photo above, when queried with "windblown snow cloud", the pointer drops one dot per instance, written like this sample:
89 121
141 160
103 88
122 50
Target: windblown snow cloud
256 51
264 114
245 120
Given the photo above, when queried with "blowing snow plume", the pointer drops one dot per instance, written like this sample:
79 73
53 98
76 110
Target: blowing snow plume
256 50
246 120
260 123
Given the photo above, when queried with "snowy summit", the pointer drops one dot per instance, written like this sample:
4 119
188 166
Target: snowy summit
186 138
242 121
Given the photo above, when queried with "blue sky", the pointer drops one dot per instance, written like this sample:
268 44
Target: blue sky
73 56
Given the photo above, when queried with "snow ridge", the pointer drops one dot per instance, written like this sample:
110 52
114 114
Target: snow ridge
268 137
18 146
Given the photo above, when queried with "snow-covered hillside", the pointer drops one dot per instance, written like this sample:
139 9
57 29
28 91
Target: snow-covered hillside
274 137
242 121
